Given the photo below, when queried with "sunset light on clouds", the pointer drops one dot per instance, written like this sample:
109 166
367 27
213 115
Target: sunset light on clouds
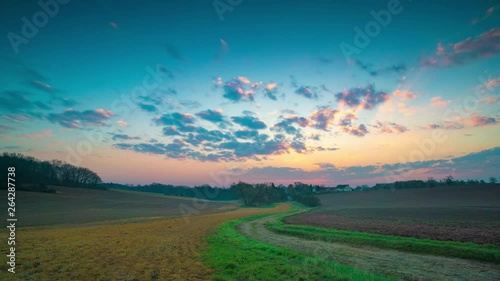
169 92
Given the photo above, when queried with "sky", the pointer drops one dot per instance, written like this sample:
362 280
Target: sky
213 92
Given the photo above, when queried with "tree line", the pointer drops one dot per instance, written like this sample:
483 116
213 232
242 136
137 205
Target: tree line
31 173
205 191
430 182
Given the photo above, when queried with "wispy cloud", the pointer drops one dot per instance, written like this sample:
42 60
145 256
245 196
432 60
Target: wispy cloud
77 119
439 102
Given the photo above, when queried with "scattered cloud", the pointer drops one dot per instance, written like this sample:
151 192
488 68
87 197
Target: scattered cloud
470 165
5 128
486 15
122 123
359 131
473 48
123 137
43 134
399 69
390 127
405 94
323 118
439 102
148 107
307 92
478 121
366 98
76 119
249 122
214 116
238 89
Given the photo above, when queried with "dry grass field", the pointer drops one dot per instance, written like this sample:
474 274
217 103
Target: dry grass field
165 249
74 206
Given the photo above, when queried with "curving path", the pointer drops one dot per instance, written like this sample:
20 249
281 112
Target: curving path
401 265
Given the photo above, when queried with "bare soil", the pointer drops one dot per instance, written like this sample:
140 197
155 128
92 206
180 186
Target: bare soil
478 225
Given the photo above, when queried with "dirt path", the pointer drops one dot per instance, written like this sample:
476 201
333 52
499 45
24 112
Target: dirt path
401 265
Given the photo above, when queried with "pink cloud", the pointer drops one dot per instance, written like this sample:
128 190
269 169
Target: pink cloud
122 123
479 121
405 94
42 134
493 83
439 102
482 46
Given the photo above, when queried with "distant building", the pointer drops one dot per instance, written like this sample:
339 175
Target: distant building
343 188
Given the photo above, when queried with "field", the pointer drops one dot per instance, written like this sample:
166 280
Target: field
164 249
81 234
78 205
466 214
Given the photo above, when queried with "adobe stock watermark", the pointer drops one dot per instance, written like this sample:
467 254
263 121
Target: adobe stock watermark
122 107
425 148
362 38
40 19
223 6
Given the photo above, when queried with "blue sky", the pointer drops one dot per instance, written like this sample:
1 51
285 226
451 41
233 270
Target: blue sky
178 92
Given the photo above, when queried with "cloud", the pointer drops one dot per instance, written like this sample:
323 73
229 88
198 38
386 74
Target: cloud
42 86
42 105
347 119
306 91
439 102
76 119
396 68
390 127
190 103
367 98
174 119
446 125
5 128
323 118
147 107
359 131
122 123
487 14
238 89
249 122
475 165
223 49
171 131
479 121
15 101
286 124
43 134
492 83
405 94
124 137
64 102
161 68
271 90
246 134
471 49
16 117
490 100
214 116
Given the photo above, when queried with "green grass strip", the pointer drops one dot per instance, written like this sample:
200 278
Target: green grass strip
488 253
237 257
